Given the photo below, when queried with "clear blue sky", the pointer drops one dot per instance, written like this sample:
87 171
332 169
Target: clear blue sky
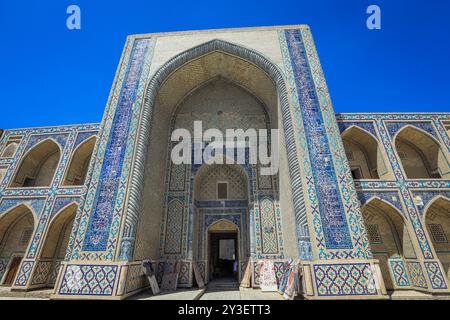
51 76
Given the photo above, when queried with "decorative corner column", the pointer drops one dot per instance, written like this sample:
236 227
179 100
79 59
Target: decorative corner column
340 263
100 264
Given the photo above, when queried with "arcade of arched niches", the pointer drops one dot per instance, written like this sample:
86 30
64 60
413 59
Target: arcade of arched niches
399 162
43 173
401 167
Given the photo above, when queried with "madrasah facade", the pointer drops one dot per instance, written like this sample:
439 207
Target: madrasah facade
359 198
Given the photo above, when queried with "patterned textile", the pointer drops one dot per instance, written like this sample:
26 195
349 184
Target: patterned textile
149 271
177 267
169 282
153 284
267 277
284 278
292 286
198 275
247 277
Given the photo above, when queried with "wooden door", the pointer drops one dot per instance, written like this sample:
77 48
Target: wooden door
12 271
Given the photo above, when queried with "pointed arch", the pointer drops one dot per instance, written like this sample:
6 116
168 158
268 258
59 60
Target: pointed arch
395 219
222 225
388 234
79 163
16 230
437 221
58 232
55 244
233 83
10 150
224 247
187 69
440 200
233 174
364 154
421 154
38 166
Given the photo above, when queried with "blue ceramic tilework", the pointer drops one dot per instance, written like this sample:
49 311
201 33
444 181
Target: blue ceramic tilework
24 273
411 212
437 279
398 270
392 197
428 196
36 203
428 184
224 204
211 218
394 127
411 184
82 136
35 139
445 135
331 209
375 184
345 279
92 280
392 116
62 202
100 222
415 273
368 126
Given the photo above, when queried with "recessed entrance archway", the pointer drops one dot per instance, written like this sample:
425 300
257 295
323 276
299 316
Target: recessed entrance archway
223 250
221 220
178 79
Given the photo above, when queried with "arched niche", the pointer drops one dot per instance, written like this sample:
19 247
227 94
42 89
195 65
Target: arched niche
79 164
10 150
56 242
223 226
365 157
421 155
437 220
221 182
37 168
217 69
16 229
388 235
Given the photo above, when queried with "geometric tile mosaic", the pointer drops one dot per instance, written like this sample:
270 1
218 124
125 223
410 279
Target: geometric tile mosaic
336 225
344 279
96 280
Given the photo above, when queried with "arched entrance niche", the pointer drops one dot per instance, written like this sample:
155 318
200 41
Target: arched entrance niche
76 173
223 242
437 220
221 212
16 230
365 157
55 247
38 167
388 235
214 84
421 155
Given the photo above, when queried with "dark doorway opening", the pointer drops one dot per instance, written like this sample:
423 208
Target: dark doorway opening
223 255
12 271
